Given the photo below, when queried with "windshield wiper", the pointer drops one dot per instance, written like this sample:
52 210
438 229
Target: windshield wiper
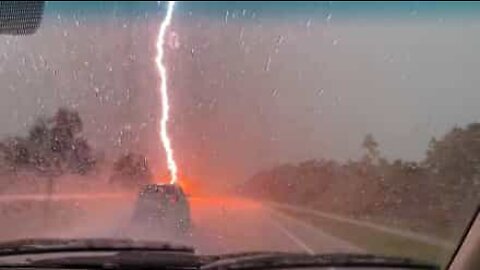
270 260
141 254
41 246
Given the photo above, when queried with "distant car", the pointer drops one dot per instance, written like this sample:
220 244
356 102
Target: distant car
162 206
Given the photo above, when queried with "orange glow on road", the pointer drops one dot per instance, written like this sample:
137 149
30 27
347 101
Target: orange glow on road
190 187
221 201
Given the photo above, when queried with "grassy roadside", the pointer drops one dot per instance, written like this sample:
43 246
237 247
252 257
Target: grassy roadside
375 241
440 232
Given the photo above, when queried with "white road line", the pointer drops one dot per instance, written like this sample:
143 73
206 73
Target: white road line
295 239
402 233
327 237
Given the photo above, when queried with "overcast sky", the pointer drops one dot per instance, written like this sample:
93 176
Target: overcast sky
250 89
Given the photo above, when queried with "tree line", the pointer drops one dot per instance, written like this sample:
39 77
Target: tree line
54 146
434 194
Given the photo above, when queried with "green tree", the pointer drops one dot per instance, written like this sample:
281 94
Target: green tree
454 162
52 147
131 170
16 153
457 154
371 146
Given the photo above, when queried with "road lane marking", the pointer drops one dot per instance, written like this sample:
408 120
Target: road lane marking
294 238
402 233
317 231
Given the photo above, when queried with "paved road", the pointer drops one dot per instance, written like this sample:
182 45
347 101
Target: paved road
232 225
220 225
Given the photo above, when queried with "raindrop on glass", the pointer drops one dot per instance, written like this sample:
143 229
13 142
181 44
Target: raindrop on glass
268 61
274 92
337 100
212 104
280 39
242 31
320 92
329 17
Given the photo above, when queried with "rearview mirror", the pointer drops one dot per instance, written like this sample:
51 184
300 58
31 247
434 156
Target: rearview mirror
20 17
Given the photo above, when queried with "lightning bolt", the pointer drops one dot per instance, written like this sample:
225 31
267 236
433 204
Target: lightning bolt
167 145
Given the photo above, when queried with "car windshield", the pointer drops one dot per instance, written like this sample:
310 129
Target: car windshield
317 127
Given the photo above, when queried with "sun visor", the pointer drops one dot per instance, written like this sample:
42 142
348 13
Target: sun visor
20 17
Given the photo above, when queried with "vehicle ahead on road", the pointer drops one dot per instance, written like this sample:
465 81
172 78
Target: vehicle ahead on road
162 207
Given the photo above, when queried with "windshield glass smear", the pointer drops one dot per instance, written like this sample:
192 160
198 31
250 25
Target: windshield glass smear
315 127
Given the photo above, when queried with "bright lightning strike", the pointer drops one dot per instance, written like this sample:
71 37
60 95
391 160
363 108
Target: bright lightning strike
172 166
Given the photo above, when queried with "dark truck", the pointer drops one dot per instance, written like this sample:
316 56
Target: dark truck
162 207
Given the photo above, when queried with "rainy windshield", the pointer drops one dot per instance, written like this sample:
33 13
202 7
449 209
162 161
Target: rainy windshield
313 127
